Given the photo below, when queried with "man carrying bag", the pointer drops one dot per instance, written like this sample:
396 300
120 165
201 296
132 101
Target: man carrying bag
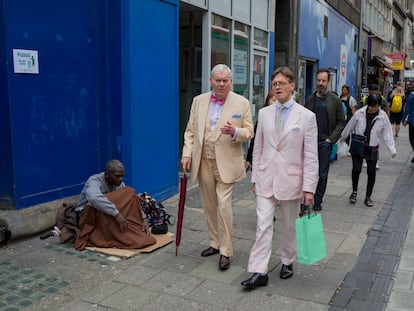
310 239
285 171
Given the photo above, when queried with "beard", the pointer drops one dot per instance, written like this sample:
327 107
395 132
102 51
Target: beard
322 91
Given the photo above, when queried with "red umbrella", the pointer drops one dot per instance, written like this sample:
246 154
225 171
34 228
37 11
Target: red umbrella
183 192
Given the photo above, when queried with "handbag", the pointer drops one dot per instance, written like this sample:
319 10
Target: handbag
310 239
357 145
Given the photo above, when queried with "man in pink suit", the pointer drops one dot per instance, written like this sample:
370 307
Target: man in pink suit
218 124
285 170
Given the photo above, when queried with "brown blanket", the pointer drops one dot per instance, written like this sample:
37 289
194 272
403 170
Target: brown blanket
101 230
67 223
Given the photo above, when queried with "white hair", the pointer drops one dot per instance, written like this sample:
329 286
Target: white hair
221 67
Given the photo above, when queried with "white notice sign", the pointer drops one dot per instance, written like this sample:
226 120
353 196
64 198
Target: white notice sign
25 61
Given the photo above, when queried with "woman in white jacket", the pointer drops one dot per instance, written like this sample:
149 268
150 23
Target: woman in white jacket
373 123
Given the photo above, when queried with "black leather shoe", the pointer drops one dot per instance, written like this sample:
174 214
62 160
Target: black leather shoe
286 272
209 252
224 262
255 280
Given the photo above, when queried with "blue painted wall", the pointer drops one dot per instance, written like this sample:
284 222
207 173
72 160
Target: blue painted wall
106 88
327 51
6 167
150 95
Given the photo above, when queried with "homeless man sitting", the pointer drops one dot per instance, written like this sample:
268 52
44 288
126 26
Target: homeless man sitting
110 214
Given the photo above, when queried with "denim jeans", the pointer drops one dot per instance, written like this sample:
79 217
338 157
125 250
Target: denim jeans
324 153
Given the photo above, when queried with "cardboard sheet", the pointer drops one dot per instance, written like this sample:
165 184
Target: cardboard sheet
162 240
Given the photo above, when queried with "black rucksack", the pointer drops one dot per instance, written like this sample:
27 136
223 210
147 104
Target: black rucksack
157 216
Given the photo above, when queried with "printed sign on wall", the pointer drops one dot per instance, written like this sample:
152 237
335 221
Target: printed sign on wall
25 61
344 64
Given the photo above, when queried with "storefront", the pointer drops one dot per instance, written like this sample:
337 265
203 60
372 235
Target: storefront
233 32
380 72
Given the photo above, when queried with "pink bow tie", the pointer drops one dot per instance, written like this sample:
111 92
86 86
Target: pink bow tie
214 99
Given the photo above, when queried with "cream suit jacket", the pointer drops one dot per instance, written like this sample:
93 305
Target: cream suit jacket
229 153
284 167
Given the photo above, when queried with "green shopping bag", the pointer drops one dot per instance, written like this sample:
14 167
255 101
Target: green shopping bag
310 240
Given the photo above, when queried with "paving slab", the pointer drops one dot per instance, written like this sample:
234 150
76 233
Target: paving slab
369 262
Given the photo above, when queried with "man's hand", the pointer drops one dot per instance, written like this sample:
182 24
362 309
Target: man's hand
123 225
228 129
186 163
307 198
145 227
247 165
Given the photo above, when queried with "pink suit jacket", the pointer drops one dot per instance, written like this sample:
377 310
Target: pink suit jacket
284 167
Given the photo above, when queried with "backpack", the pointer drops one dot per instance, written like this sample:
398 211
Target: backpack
157 216
397 103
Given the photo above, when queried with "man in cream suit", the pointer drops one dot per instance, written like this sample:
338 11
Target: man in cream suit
218 124
285 170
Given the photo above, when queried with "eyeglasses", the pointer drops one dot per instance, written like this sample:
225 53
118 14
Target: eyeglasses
280 83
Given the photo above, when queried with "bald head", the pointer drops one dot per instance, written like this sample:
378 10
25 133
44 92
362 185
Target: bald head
114 172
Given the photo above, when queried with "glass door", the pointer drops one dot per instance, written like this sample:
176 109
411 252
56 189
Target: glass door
259 82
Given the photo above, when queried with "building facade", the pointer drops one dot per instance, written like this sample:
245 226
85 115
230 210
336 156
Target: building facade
84 82
314 34
327 39
87 81
386 43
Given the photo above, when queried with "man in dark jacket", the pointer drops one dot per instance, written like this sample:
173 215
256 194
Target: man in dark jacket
331 121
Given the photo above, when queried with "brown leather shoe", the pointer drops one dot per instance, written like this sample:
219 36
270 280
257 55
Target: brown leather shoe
224 262
209 252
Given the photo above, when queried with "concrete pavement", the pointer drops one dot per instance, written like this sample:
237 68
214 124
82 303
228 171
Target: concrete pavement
369 263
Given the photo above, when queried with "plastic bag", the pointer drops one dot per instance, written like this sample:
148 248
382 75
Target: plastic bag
343 149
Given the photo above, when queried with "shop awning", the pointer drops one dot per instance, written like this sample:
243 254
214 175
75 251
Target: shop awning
383 62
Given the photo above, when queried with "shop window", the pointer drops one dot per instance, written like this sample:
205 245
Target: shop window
220 40
355 43
241 59
260 38
325 26
259 80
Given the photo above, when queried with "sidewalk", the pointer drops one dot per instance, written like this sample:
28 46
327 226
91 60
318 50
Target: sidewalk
364 247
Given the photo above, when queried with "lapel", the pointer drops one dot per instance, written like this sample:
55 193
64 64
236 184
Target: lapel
203 115
271 116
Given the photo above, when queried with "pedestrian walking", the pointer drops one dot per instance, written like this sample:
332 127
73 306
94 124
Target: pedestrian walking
285 171
348 101
331 121
397 102
408 118
220 121
372 123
